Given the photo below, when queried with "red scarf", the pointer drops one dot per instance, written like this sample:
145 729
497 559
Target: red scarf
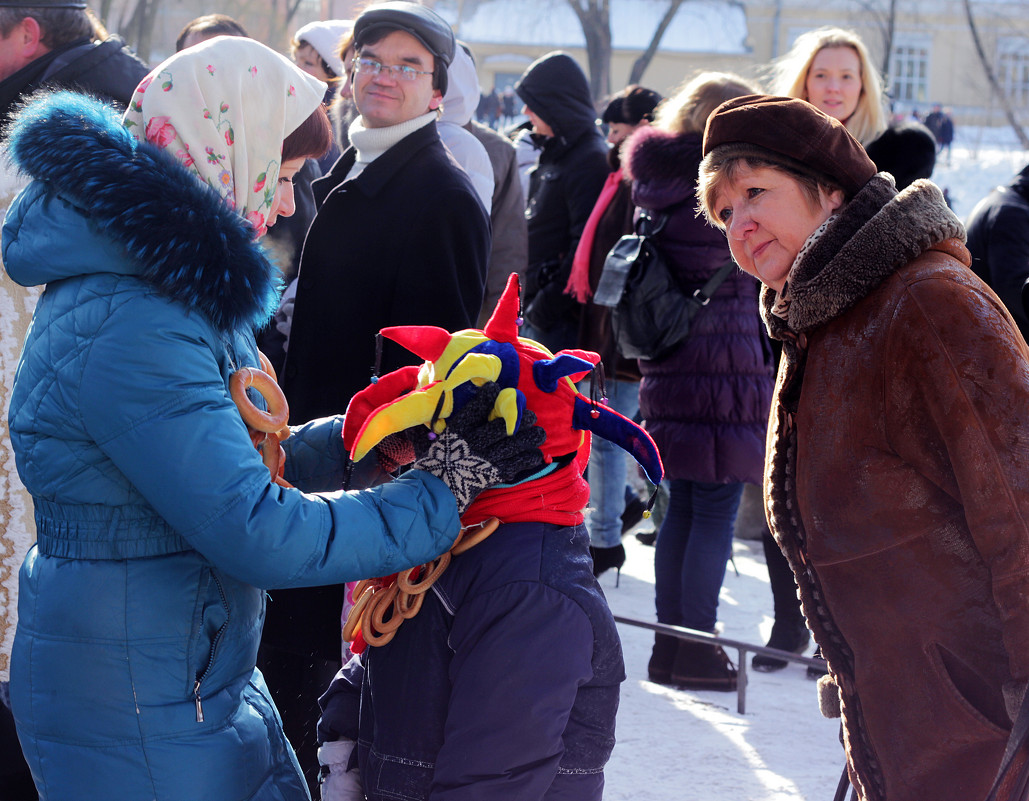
557 498
579 280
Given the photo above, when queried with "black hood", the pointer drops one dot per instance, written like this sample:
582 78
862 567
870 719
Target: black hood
555 87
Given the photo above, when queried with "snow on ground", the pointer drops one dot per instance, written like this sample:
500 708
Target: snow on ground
981 160
677 745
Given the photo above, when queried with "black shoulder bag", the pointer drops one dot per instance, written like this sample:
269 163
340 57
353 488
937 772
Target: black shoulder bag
650 314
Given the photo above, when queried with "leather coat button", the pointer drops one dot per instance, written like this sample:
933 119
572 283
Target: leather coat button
802 341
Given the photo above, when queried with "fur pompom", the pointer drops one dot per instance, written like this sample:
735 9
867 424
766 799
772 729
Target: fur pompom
828 697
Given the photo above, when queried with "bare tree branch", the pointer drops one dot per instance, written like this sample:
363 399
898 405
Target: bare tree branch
998 91
639 66
595 18
139 27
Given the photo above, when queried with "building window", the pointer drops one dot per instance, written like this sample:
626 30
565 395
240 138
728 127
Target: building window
909 71
1013 69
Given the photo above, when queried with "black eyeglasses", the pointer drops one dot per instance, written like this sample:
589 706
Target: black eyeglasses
399 72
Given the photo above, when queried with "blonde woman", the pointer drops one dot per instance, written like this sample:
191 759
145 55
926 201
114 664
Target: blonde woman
832 70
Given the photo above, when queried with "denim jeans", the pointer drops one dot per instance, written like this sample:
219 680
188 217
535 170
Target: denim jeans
607 469
693 546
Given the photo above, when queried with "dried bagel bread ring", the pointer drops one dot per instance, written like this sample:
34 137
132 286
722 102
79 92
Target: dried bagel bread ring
275 418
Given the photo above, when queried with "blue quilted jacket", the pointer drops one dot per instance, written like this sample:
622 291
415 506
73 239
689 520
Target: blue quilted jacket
142 603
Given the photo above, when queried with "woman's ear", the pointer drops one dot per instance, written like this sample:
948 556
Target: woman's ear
834 200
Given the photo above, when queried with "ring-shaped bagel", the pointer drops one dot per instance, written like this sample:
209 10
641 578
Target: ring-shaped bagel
270 421
409 605
266 365
377 613
354 618
467 540
434 571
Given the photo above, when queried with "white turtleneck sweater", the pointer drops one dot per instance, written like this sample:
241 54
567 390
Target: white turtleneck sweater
370 143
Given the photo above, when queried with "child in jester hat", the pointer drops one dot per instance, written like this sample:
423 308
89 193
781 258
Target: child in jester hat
504 683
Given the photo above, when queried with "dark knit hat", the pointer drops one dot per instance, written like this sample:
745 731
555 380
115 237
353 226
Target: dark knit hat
794 129
421 22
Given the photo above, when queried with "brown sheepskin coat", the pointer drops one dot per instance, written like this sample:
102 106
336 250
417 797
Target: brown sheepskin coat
897 484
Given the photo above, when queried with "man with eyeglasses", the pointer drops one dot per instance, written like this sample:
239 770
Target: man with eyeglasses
400 236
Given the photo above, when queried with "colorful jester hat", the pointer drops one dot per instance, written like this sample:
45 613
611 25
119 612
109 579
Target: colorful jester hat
530 376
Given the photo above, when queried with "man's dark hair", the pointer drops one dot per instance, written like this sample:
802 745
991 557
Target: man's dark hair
438 67
209 26
58 26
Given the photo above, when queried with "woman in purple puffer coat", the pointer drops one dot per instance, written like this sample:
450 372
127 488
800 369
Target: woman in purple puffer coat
706 405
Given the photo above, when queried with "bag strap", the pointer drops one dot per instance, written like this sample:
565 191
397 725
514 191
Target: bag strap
650 224
1019 737
703 295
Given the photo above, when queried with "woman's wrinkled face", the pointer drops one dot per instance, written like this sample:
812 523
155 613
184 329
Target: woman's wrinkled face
767 218
834 82
283 203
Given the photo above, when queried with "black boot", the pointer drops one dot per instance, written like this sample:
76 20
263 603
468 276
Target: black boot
606 558
659 669
703 666
633 514
647 537
791 636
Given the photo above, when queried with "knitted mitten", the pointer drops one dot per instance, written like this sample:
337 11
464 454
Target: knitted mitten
474 452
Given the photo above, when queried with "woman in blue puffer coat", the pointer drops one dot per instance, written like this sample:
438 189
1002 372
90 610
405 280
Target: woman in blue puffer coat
159 526
705 404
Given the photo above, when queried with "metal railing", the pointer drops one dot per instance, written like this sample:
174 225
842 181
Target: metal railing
742 648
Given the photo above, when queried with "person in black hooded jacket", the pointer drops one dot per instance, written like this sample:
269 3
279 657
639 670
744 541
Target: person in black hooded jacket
563 188
998 239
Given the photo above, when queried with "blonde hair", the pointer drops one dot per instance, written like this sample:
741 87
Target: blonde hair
687 110
790 73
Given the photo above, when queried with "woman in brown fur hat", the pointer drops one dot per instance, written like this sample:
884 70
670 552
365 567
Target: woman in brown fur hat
895 475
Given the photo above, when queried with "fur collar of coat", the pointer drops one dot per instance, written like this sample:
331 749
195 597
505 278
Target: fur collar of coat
876 233
183 237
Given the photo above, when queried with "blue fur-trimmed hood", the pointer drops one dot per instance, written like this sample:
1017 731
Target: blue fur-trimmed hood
175 232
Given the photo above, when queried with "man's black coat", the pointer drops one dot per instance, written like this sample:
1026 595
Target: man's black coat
405 243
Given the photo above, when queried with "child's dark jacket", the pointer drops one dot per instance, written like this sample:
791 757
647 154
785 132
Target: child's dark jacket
505 685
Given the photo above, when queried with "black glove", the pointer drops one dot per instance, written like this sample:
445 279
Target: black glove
475 453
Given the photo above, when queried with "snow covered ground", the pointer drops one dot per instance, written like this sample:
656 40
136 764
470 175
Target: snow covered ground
676 745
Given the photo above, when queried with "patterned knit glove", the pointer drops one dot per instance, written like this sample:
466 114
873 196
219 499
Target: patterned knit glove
474 452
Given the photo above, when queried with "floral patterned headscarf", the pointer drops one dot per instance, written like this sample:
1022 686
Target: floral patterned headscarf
223 108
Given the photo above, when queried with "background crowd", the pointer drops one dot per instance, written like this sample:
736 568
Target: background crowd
395 192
